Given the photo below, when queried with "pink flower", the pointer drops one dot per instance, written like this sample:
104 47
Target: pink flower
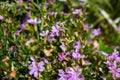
1 17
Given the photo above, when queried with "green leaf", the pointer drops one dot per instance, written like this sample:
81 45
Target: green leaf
101 45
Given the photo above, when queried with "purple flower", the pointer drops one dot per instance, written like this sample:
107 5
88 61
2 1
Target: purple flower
86 27
17 32
108 63
63 47
77 45
82 78
56 31
47 4
77 55
20 2
27 16
96 32
118 29
44 33
62 56
73 74
62 29
70 74
35 67
77 11
41 66
22 26
115 71
69 70
75 52
1 17
52 35
62 75
114 56
112 61
34 21
11 48
61 72
51 40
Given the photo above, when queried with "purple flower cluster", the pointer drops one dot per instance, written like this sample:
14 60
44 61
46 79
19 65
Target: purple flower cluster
70 74
112 61
55 31
115 56
35 67
76 49
77 11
